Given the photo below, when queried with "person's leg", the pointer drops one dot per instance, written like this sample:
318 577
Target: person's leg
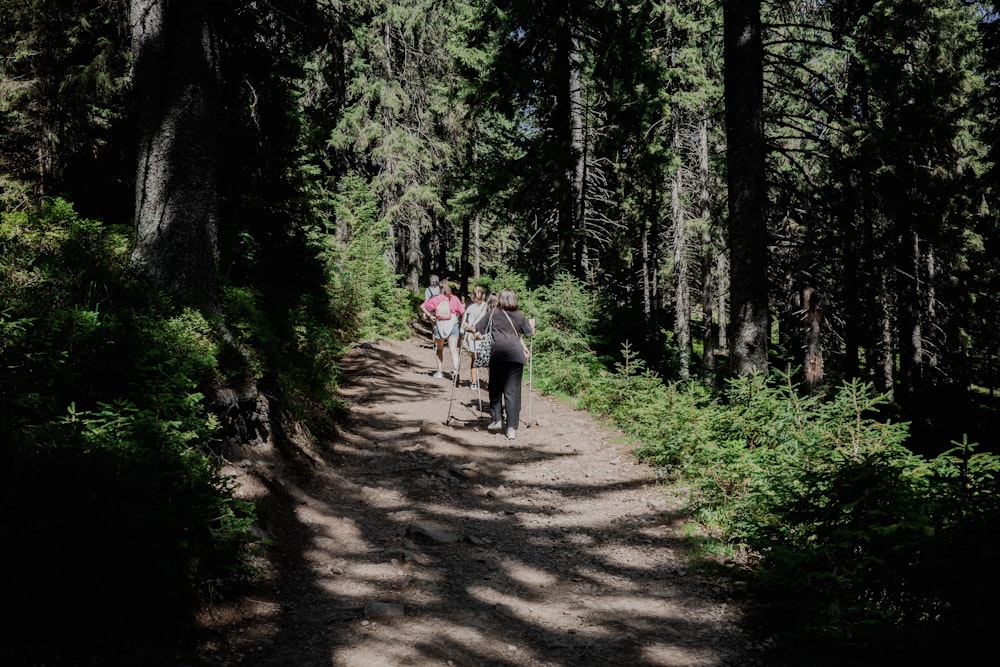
453 348
512 393
439 357
496 395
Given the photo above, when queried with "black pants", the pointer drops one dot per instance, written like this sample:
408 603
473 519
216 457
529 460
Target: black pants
505 389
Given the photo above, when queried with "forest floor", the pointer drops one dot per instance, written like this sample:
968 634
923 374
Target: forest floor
413 538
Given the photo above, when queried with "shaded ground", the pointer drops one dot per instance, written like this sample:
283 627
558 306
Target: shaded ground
412 541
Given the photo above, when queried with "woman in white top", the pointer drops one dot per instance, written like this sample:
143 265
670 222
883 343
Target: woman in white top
472 314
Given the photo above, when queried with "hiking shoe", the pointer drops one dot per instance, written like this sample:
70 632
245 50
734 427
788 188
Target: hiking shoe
438 375
495 426
511 433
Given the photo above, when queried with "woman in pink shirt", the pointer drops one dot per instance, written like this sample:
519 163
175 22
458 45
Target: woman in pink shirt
445 310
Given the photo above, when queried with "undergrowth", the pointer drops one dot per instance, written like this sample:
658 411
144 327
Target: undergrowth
861 549
112 497
112 430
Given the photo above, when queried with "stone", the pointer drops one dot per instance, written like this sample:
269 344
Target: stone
427 533
433 427
375 609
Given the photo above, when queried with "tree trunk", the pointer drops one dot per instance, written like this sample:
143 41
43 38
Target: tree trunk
722 289
411 279
882 353
477 256
812 344
707 251
912 316
743 52
568 128
178 108
682 291
578 155
464 264
647 276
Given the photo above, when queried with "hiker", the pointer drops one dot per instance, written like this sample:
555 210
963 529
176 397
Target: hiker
475 310
433 289
507 360
445 309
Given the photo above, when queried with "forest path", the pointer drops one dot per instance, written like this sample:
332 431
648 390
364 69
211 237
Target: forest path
409 541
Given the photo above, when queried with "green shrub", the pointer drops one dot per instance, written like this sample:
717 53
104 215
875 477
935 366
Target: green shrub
855 538
564 362
361 287
109 488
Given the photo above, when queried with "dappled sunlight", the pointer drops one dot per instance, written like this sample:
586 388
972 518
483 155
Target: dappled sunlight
387 499
529 576
430 543
672 655
630 557
393 644
553 617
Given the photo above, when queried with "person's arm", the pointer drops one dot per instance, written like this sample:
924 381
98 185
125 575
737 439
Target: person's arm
527 326
467 316
479 324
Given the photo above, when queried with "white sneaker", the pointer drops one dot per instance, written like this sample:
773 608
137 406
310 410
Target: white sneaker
474 387
438 375
495 426
511 433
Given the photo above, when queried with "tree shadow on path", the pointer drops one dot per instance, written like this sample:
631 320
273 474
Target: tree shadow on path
409 541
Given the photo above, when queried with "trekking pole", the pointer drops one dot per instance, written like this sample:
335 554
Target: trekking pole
531 368
454 383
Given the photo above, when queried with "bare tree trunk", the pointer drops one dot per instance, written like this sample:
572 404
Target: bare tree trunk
882 354
743 51
464 265
813 348
708 258
478 259
411 279
647 278
682 291
577 154
722 289
178 107
910 320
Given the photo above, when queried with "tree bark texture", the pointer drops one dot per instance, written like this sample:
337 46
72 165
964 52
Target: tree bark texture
178 108
812 343
464 264
578 155
707 251
411 280
682 291
743 52
564 122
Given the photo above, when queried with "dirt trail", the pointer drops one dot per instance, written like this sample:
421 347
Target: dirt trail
411 542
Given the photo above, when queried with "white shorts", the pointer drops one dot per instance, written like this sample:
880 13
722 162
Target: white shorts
446 329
